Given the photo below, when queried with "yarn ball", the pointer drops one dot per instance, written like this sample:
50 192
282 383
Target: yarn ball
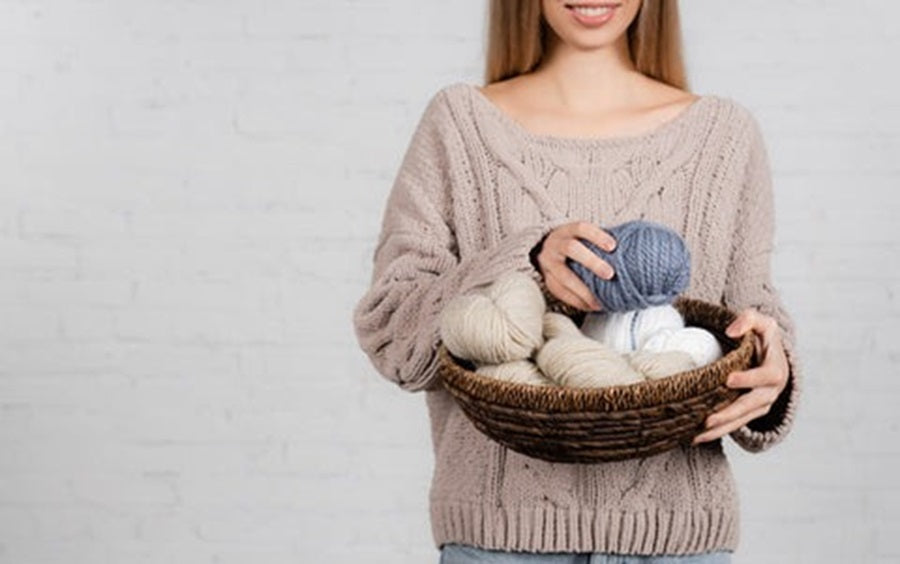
656 365
699 343
557 324
519 371
496 323
651 262
627 331
581 362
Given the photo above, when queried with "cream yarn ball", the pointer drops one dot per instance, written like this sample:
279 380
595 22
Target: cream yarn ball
627 331
496 323
699 343
557 324
519 371
581 362
656 365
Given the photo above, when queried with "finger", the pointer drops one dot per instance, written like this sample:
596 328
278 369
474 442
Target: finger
751 319
575 285
742 323
745 404
561 291
770 327
766 374
767 340
766 328
777 356
595 235
748 319
577 250
722 430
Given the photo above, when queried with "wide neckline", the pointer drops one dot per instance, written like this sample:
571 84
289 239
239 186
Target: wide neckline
588 141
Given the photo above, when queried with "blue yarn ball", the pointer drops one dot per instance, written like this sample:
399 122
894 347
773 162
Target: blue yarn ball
652 266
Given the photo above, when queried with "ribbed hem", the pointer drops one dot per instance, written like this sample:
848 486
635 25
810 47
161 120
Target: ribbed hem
554 529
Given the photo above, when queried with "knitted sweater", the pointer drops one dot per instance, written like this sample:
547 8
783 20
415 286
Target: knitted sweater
474 195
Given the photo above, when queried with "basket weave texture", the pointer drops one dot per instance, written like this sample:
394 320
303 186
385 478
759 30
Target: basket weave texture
589 425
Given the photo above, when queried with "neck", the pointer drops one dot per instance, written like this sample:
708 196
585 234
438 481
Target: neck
585 80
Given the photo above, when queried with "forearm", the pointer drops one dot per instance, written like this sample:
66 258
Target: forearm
397 320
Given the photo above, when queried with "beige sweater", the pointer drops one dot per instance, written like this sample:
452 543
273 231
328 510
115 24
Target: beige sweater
474 193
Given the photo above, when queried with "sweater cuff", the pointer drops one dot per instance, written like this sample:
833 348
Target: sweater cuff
770 429
513 253
516 252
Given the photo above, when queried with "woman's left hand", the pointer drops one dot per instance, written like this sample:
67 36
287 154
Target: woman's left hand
765 381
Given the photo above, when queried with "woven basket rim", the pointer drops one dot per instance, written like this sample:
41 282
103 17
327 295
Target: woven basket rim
649 393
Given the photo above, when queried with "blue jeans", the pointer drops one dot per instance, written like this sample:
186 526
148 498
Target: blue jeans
464 554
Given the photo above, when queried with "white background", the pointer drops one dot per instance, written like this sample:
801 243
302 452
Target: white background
189 196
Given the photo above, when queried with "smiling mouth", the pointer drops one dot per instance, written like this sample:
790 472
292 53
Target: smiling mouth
591 9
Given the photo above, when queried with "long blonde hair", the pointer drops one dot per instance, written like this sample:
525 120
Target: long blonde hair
517 38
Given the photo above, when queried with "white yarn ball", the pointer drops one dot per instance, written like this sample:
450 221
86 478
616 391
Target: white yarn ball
703 347
581 362
496 323
656 365
626 331
557 324
520 371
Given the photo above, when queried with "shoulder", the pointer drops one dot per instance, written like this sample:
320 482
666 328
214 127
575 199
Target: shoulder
453 91
745 147
736 117
732 130
444 98
442 108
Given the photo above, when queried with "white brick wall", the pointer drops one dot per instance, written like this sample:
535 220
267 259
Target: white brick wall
188 206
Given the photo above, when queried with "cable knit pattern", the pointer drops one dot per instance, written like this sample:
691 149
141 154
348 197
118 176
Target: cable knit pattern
474 194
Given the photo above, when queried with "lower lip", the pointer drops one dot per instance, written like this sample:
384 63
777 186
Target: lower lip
592 21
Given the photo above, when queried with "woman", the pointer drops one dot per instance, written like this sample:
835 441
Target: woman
585 121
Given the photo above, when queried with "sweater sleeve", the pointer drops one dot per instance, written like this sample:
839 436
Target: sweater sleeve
416 263
749 284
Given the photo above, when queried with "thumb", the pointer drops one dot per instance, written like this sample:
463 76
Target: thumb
738 326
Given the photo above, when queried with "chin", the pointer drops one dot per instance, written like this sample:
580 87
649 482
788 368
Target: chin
590 24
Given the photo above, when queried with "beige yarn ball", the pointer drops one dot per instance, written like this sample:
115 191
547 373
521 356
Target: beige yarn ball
657 365
519 371
581 362
496 323
557 324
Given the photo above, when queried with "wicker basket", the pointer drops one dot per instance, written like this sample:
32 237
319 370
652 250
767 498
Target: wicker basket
602 424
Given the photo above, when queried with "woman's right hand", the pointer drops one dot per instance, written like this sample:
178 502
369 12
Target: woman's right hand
560 280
